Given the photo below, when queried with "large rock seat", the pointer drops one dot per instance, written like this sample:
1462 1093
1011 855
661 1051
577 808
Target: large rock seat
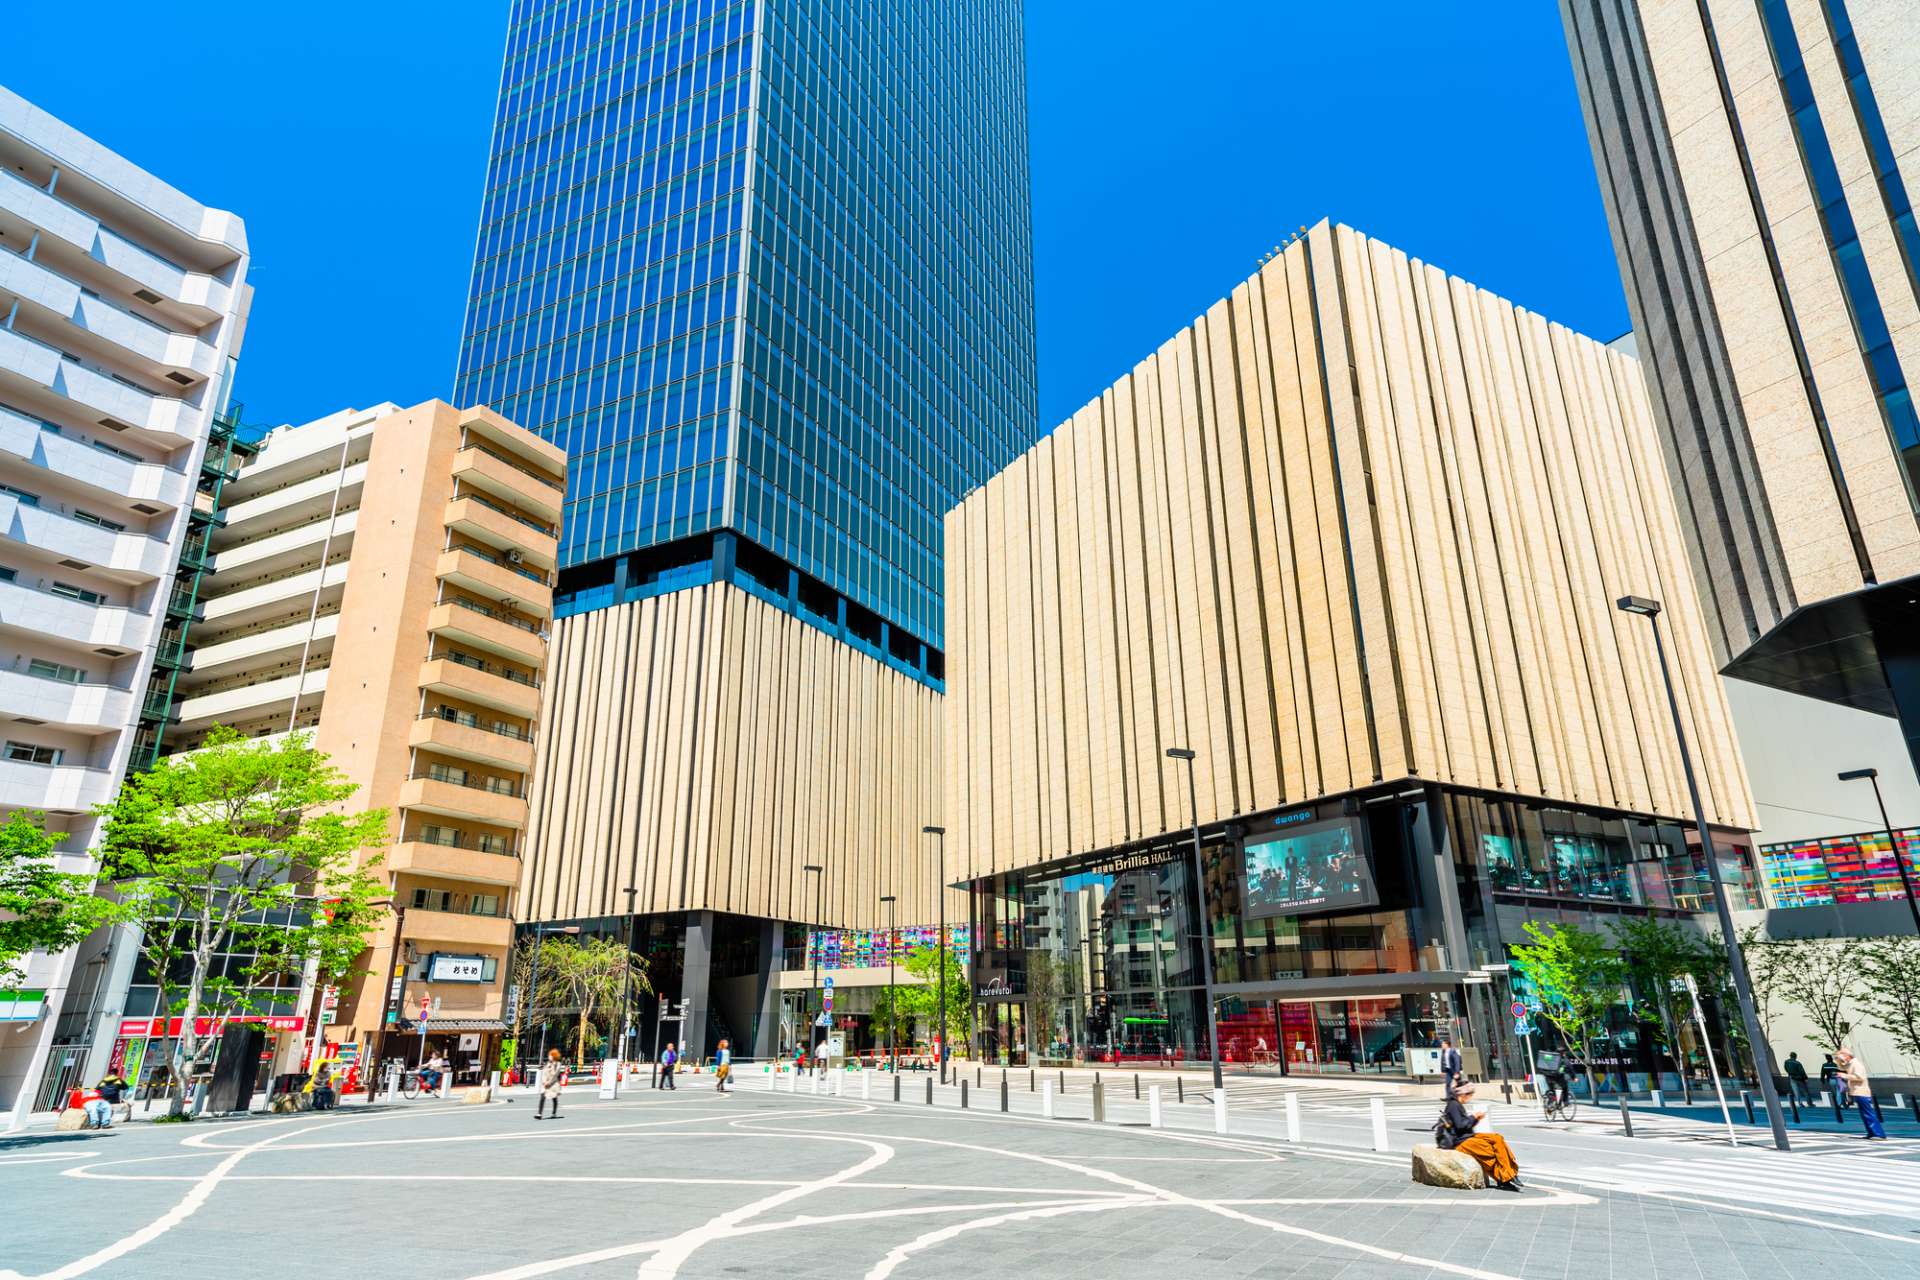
1434 1167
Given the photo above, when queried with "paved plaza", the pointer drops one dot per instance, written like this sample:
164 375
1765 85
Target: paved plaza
771 1183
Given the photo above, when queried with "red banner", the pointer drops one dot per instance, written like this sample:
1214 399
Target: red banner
209 1026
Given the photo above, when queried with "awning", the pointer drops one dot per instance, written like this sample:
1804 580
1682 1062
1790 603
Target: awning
459 1024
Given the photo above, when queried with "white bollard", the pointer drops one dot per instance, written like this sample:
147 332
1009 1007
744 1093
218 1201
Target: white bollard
1659 1098
1219 1110
813 1083
1153 1106
866 1086
393 1085
1293 1117
1046 1100
839 1084
1379 1108
493 1082
609 1078
446 1082
1899 1102
793 1083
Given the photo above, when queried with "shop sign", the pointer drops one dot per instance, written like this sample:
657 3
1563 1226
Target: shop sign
457 969
209 1026
470 1042
22 1006
1295 817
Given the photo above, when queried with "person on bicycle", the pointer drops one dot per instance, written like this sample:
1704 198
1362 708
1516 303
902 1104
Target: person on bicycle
1558 1093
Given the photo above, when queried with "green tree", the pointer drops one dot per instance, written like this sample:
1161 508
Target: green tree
1819 977
1576 978
1654 954
592 974
241 847
921 1002
1890 982
892 1020
41 907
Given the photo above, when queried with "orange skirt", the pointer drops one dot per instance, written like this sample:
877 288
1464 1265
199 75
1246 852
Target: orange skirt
1491 1150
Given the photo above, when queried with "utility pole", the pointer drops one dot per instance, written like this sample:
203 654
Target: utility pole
396 991
820 915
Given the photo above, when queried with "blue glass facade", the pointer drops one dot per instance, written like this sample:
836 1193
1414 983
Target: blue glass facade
764 271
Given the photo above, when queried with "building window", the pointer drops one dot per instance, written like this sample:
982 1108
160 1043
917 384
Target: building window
440 835
432 900
492 844
483 904
32 753
81 594
55 671
87 517
21 495
8 575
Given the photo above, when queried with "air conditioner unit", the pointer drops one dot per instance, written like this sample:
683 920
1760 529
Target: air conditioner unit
514 555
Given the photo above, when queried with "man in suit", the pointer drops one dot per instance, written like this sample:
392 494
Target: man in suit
1449 1064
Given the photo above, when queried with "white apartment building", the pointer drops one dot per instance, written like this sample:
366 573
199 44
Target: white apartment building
122 305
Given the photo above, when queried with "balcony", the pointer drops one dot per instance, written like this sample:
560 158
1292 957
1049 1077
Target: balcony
249 702
91 708
464 683
486 469
458 929
278 552
172 352
309 499
261 601
424 858
135 555
469 742
32 441
474 573
477 627
457 800
275 644
482 520
56 788
92 625
163 415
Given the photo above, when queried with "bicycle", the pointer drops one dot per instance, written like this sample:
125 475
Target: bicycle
1558 1105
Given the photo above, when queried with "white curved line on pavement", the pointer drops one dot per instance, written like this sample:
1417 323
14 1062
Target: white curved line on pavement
900 1253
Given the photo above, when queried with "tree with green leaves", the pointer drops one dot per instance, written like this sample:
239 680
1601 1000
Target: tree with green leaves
240 847
1819 976
42 908
921 1002
1890 989
592 974
1654 955
1576 977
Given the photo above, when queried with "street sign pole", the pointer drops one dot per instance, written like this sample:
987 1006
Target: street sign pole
658 1023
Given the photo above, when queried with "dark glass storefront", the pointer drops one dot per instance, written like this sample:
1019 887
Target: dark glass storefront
1345 935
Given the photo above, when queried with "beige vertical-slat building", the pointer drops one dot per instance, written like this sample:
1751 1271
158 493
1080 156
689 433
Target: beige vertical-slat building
1355 538
1757 159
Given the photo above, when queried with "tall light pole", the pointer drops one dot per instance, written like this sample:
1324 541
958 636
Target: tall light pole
1893 841
1736 961
540 931
939 835
893 1013
626 979
820 914
1205 937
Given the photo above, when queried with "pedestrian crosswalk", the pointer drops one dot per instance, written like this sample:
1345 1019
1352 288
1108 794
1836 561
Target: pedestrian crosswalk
1857 1186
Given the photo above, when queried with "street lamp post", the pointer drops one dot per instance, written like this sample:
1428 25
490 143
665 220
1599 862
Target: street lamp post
939 835
626 980
820 915
1205 937
396 987
1893 841
1742 981
893 1012
533 995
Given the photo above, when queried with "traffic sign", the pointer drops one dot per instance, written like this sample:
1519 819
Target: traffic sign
1518 1010
820 1019
828 982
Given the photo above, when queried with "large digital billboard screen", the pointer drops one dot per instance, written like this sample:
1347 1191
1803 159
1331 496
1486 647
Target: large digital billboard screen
1318 867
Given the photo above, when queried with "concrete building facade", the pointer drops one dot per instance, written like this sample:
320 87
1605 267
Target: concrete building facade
1757 160
122 307
1354 539
383 582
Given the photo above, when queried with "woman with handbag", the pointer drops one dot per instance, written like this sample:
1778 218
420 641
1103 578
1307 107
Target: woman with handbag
1456 1130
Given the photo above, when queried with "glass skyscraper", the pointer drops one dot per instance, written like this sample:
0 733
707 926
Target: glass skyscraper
763 270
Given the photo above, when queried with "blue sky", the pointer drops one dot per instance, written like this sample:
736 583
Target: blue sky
1166 158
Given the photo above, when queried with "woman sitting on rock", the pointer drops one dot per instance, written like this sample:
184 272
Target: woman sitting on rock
1456 1132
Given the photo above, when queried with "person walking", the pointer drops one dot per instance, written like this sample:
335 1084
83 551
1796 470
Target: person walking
553 1078
1797 1078
1458 1129
669 1059
722 1068
1860 1089
1832 1082
1449 1065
